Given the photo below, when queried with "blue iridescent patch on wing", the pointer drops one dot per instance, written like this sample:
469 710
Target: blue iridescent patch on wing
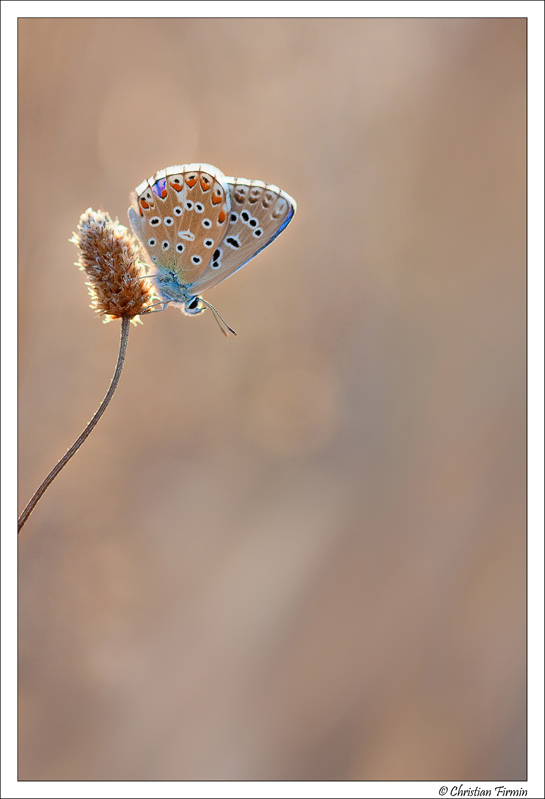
159 186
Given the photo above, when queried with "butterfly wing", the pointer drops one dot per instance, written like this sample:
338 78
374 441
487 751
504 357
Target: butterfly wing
180 216
259 212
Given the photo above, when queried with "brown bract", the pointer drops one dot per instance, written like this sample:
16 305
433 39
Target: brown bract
109 255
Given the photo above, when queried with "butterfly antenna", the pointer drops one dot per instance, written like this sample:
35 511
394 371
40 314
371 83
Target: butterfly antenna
219 319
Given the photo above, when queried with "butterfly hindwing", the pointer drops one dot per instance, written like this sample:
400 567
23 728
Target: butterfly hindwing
181 215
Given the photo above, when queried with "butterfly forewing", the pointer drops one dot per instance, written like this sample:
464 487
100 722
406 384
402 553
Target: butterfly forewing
258 213
181 215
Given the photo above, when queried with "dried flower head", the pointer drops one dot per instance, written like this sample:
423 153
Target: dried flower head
109 255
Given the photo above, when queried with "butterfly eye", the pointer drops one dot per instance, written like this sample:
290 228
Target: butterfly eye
193 306
169 221
178 211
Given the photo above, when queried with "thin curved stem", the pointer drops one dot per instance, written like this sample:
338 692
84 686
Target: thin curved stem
125 322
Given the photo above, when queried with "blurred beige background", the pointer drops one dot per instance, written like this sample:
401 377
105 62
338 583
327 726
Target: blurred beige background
300 553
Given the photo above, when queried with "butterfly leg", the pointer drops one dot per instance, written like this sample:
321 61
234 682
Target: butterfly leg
156 310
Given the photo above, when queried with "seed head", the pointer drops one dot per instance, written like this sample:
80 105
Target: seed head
109 255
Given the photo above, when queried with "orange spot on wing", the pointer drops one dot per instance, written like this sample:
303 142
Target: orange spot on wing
163 194
144 204
216 200
205 183
221 217
191 182
176 186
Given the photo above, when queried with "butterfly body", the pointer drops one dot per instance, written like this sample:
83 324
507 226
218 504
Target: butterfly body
198 227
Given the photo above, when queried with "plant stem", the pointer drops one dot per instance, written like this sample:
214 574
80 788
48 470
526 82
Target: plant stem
125 322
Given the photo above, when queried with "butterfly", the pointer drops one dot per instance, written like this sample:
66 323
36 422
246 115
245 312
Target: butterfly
198 227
